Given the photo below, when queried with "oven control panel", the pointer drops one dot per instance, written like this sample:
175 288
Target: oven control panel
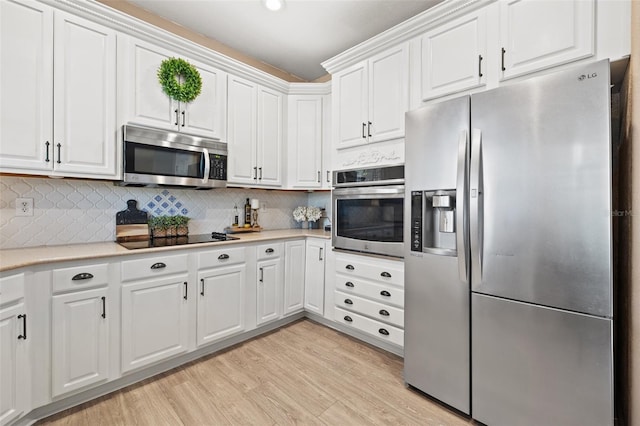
416 220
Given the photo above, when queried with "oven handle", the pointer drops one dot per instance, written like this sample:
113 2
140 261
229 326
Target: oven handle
389 191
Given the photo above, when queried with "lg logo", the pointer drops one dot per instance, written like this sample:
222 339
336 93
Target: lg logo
588 76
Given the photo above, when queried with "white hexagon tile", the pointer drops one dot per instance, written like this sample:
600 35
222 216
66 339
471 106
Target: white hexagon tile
80 211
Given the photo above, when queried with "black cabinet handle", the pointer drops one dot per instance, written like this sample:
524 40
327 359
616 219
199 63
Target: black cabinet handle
269 250
320 254
260 170
185 290
385 293
46 158
158 265
104 307
347 318
183 116
384 313
255 173
348 301
82 276
369 129
503 52
318 176
383 331
23 336
364 126
261 275
479 65
385 274
223 256
349 284
201 286
350 267
328 176
176 112
59 155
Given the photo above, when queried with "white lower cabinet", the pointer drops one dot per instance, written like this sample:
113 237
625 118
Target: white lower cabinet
269 282
294 276
314 273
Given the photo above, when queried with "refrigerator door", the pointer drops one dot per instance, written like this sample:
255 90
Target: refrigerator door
437 334
535 366
540 197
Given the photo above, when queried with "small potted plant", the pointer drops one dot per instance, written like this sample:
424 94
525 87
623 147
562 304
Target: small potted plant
181 223
158 226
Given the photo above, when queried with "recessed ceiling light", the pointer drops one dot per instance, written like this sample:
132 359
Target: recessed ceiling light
274 4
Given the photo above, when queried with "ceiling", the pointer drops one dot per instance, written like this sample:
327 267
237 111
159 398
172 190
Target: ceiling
295 39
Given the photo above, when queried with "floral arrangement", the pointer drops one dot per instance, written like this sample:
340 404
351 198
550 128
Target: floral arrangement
302 213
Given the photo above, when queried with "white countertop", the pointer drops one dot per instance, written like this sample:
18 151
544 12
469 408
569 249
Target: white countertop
29 256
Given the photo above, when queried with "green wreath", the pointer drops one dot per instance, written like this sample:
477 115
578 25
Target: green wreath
169 72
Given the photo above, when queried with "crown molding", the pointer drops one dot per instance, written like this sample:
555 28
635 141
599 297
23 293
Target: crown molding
310 88
412 27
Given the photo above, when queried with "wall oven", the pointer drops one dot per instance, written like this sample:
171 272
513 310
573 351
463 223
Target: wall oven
368 206
157 157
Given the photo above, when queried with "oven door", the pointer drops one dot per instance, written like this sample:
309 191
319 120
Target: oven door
369 219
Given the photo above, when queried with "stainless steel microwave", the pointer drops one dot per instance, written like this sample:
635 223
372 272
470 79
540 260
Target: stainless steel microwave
368 210
156 157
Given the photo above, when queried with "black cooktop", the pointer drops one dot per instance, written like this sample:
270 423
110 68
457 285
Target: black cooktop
177 241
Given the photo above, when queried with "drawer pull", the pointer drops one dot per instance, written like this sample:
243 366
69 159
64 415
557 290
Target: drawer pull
158 265
23 336
202 287
269 250
383 332
384 312
350 267
349 284
347 318
186 289
385 293
223 256
348 301
82 276
104 307
385 274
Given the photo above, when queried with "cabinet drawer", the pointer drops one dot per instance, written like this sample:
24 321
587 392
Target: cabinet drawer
11 288
378 270
80 277
221 257
153 267
376 291
375 328
268 251
376 310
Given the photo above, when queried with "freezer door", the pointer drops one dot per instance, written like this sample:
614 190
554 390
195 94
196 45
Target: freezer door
540 191
535 366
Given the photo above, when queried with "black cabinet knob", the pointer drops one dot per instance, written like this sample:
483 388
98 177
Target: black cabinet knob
383 332
349 284
385 293
347 318
348 301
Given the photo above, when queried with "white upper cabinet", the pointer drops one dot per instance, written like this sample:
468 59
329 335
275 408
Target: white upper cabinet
538 34
255 116
147 104
452 56
305 141
57 93
370 99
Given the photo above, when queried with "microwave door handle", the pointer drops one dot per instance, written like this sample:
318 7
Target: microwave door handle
207 164
462 242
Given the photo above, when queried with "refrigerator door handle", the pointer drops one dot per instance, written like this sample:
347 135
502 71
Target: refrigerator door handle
461 207
476 220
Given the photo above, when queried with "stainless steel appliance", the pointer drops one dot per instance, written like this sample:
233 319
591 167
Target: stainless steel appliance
508 298
156 157
368 210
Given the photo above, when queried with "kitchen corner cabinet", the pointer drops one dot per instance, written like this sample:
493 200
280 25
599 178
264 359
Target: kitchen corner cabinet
58 85
14 359
269 282
370 99
540 34
294 276
255 135
316 252
221 294
147 104
304 142
154 309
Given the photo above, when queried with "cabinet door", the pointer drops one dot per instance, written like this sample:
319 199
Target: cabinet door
327 150
13 363
452 55
80 335
305 141
294 276
540 34
206 115
241 130
388 94
350 102
269 138
84 97
269 290
26 85
220 303
314 277
154 321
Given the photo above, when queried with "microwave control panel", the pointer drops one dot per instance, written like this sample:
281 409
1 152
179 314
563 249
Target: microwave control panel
416 220
218 169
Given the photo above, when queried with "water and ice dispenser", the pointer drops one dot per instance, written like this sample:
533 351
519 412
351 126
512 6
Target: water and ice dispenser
433 222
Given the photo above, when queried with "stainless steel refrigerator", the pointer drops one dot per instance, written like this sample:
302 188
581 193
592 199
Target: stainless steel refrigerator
508 261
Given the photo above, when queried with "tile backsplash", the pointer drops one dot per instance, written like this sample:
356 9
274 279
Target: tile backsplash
69 211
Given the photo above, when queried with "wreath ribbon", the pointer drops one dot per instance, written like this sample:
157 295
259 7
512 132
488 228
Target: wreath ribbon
179 79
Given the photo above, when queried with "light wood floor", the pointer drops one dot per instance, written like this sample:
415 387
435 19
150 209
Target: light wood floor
303 373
